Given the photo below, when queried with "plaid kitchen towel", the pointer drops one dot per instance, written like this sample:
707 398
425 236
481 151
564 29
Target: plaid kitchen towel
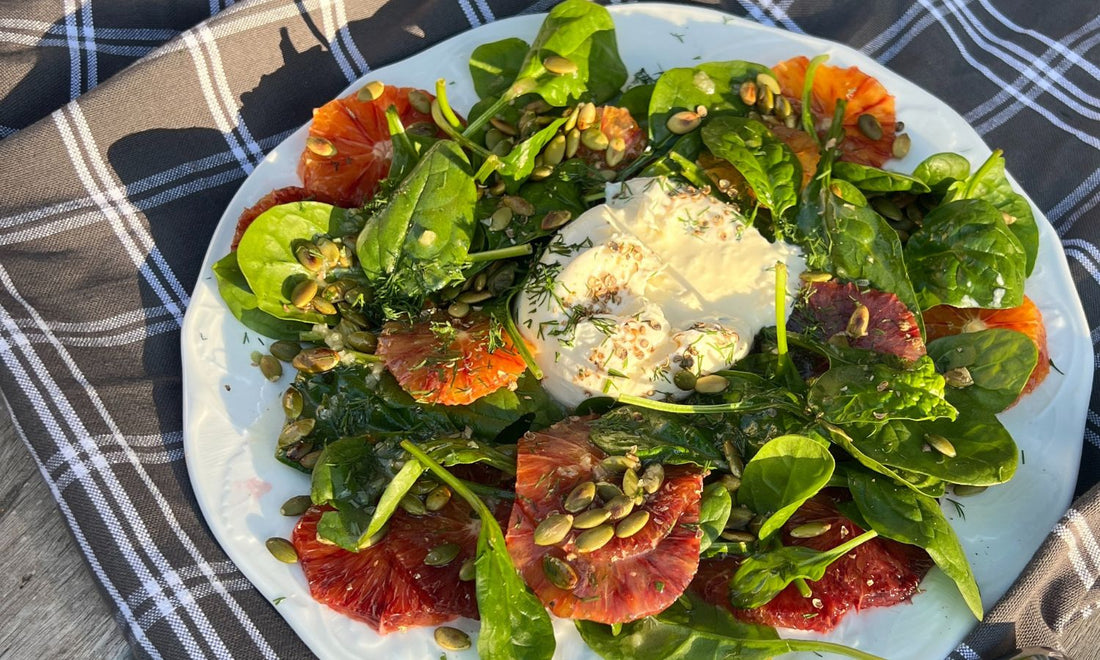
110 196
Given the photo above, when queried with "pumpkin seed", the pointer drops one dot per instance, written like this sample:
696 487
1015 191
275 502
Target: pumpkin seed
580 498
309 257
885 207
316 360
474 297
733 457
958 377
553 529
739 517
963 490
541 172
322 306
810 276
554 151
783 107
362 341
901 145
282 549
295 431
586 116
765 99
683 122
619 507
372 90
572 142
502 280
738 536
292 403
467 571
438 498
320 146
711 384
632 524
458 309
652 478
330 251
298 450
608 491
615 153
913 214
811 529
493 137
790 121
296 505
619 463
303 293
421 101
631 486
756 523
443 554
271 368
858 322
559 572
451 639
352 315
413 505
593 138
594 539
748 93
519 205
502 148
555 219
284 350
591 518
501 218
685 380
480 281
571 117
503 126
869 126
940 444
732 483
559 65
768 81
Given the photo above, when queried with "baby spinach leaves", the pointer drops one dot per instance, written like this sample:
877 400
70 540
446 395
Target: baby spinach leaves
998 361
873 393
493 66
903 515
965 255
350 475
711 84
873 179
767 163
656 436
940 171
238 296
418 243
785 473
715 506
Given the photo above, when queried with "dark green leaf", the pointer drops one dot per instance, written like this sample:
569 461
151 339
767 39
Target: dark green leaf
520 161
391 497
493 66
636 101
878 392
238 297
786 472
711 84
767 163
923 485
874 179
999 361
939 171
714 510
656 436
350 475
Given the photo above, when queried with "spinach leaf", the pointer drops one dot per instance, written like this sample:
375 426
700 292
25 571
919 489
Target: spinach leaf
990 183
238 297
715 506
877 392
940 171
762 576
767 163
919 483
514 624
786 472
656 436
966 256
349 476
690 629
874 179
493 66
390 499
418 243
520 161
715 85
636 101
999 361
688 146
900 514
266 252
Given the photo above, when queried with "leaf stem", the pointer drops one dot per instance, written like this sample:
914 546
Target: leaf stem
980 174
695 409
814 646
456 484
807 90
781 307
445 126
500 253
519 342
803 588
444 105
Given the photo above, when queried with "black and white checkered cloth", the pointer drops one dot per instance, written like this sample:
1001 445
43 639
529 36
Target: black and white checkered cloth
128 124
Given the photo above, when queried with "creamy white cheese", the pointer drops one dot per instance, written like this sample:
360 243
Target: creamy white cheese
655 281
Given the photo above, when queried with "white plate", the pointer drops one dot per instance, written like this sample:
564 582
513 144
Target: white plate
231 415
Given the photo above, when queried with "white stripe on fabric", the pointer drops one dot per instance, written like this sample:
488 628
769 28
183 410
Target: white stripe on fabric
136 335
486 11
780 13
899 28
344 37
1085 188
119 493
87 38
72 34
1093 418
132 317
335 48
1087 539
117 34
221 83
967 653
471 15
58 42
1069 53
756 13
1084 137
906 37
220 119
1085 253
1073 553
77 530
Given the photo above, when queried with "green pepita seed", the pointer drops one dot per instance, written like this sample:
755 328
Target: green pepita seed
322 306
572 142
559 65
594 539
352 315
553 529
362 341
458 309
632 524
501 218
885 207
282 550
652 478
580 498
503 126
519 205
810 276
619 507
958 377
292 403
295 431
538 106
591 518
619 463
480 281
616 151
421 101
940 444
316 360
502 148
330 251
902 142
711 384
593 138
554 151
571 116
255 357
738 536
296 451
284 350
683 122
756 524
303 293
732 483
474 297
739 517
451 639
541 172
320 146
586 116
502 280
309 257
869 126
423 486
438 498
790 121
296 505
811 529
769 82
963 490
765 99
467 571
748 93
608 491
413 505
493 137
372 90
555 219
631 484
685 380
271 368
733 457
559 572
858 322
443 554
783 107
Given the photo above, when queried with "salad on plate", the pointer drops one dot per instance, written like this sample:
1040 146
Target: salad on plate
671 355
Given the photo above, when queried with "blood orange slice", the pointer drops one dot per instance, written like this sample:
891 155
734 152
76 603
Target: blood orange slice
864 95
803 146
891 327
944 320
878 573
626 579
450 361
617 124
273 198
348 173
